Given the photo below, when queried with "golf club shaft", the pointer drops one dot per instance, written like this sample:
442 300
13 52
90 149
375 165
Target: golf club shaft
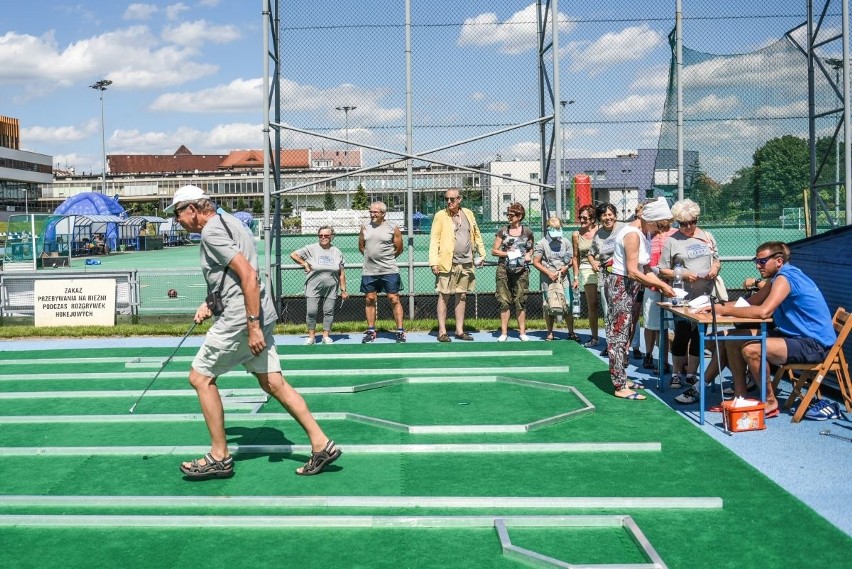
162 367
828 433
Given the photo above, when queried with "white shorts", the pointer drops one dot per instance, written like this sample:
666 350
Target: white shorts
219 355
650 310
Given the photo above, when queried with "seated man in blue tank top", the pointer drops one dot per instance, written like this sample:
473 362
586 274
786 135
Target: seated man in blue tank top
803 331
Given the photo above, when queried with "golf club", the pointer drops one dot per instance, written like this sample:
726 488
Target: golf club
828 433
162 367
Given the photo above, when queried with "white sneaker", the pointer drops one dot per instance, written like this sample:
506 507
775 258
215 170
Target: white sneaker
309 342
502 338
327 340
524 338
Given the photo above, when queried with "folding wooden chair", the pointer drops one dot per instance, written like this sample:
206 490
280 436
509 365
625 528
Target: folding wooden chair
835 361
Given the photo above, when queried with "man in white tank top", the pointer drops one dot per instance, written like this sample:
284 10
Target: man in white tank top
380 243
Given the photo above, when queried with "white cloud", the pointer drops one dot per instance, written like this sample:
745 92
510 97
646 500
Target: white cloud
498 107
793 109
633 105
58 134
712 104
197 33
208 3
131 57
139 11
219 139
174 11
516 35
655 77
521 151
240 95
246 95
478 96
630 44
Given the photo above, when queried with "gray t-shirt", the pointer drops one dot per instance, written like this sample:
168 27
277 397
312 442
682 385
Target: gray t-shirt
463 252
217 250
555 254
603 243
324 278
379 253
696 254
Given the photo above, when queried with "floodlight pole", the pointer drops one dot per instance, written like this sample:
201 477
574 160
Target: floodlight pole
562 151
346 109
101 86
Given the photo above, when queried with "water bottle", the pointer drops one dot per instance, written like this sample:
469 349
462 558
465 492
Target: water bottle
677 282
575 304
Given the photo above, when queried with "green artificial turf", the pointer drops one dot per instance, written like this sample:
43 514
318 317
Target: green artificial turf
690 464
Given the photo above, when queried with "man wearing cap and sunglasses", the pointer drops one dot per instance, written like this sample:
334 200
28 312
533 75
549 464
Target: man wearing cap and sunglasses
803 332
241 334
454 239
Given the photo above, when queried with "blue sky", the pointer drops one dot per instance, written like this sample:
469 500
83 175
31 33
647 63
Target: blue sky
190 72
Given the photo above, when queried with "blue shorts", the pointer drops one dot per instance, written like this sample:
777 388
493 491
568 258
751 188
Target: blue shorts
801 350
390 284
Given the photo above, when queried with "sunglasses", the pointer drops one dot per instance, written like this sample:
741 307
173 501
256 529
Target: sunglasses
689 223
510 214
453 199
761 261
376 212
325 236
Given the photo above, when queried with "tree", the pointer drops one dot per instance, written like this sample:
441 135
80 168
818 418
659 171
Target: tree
257 206
286 208
360 201
781 172
241 204
328 201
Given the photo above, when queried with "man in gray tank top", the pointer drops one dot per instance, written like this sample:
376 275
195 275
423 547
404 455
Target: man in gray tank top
380 243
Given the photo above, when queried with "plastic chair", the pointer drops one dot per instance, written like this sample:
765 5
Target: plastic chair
835 361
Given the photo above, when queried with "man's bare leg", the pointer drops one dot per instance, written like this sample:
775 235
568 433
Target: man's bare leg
442 313
214 414
293 402
461 303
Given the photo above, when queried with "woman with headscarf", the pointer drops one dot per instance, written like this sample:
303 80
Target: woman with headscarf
696 252
553 257
630 271
600 252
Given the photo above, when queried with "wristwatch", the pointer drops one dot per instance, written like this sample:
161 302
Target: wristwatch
251 318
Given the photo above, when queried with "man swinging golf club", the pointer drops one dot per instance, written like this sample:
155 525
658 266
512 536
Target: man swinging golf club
241 334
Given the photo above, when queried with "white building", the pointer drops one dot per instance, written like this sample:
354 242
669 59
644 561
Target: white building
500 192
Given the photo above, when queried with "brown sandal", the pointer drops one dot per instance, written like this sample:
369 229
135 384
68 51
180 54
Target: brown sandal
320 459
211 468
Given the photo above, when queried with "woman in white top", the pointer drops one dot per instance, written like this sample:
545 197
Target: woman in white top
630 272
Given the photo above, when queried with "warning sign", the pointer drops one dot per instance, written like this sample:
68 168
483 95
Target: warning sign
74 302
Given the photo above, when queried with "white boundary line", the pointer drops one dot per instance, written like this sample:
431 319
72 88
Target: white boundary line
288 373
156 361
461 502
449 448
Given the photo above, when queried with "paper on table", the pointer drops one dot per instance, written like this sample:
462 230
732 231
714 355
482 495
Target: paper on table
741 303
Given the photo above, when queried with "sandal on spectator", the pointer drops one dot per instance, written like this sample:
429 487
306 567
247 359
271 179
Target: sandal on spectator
320 459
444 338
549 337
631 396
464 336
211 468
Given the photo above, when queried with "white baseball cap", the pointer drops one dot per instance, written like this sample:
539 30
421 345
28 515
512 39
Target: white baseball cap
186 194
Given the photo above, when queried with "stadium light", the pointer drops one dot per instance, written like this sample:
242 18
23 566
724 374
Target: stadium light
101 86
346 109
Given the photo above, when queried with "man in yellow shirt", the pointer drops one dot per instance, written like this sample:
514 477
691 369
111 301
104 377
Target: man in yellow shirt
454 240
